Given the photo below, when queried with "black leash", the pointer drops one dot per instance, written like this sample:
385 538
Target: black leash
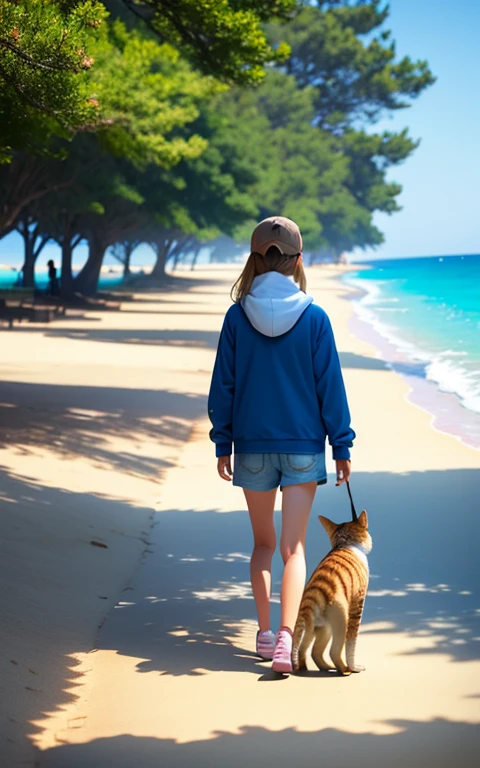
354 511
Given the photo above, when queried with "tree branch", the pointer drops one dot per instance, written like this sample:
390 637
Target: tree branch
28 99
31 62
43 241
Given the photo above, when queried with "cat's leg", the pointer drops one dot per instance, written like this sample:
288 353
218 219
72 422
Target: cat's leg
322 636
302 639
354 619
338 620
304 646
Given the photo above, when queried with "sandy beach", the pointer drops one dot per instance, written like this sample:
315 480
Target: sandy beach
127 619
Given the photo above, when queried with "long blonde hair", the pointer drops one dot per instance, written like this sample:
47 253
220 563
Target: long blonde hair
273 261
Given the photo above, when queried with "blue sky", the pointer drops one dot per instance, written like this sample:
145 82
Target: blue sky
440 201
440 180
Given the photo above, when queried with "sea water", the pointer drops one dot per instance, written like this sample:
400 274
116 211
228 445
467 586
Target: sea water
9 278
429 310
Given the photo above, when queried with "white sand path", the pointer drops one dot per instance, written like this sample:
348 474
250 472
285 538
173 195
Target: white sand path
172 679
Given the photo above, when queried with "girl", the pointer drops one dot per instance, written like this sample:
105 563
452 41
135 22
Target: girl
52 289
276 393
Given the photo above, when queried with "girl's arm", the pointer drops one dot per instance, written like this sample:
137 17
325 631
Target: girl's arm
331 393
222 388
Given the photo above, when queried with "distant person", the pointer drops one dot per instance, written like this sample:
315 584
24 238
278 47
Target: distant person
53 288
276 393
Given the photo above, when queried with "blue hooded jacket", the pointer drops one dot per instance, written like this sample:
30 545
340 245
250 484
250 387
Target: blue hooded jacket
277 386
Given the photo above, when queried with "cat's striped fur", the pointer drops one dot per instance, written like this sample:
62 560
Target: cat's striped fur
332 603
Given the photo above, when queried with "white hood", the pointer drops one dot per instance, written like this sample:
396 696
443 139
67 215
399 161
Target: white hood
275 303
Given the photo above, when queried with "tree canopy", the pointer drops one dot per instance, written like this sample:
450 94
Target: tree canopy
47 49
184 127
224 38
45 53
340 49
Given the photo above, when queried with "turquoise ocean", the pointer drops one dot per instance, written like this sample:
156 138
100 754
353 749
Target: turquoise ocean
428 310
9 277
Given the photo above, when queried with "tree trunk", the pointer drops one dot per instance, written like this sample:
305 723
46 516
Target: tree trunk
176 259
181 249
158 272
195 257
66 282
28 269
126 264
32 248
86 281
163 251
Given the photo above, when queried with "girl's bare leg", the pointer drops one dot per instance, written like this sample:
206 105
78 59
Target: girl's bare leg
296 508
260 507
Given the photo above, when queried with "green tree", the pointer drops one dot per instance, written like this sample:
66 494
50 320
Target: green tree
45 54
27 179
200 197
29 226
102 207
144 95
335 50
48 48
296 167
341 53
123 250
223 38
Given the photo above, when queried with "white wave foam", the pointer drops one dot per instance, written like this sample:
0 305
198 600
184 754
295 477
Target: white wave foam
369 288
453 353
400 310
389 300
454 378
440 367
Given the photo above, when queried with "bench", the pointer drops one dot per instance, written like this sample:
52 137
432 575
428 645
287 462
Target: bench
33 313
17 294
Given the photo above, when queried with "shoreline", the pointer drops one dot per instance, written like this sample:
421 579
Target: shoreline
448 415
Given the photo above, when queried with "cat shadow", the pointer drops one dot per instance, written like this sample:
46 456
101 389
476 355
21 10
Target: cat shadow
271 676
323 673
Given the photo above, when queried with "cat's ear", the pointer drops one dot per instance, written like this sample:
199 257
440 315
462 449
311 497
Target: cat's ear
363 520
328 525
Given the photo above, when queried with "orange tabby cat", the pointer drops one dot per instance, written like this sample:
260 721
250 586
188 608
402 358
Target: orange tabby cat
333 599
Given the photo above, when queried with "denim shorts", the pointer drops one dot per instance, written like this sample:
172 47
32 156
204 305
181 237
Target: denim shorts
265 471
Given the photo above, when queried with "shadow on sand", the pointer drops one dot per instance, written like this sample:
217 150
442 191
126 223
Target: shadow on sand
184 606
79 421
439 742
352 360
45 553
189 595
201 339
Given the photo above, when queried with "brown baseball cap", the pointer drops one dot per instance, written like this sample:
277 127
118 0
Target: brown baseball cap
279 231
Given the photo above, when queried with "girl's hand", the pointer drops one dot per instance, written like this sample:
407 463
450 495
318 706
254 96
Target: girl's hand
343 470
224 468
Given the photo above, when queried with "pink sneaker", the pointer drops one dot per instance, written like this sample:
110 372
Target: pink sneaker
265 644
282 655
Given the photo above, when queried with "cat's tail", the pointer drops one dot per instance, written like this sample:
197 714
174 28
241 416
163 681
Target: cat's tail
298 635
